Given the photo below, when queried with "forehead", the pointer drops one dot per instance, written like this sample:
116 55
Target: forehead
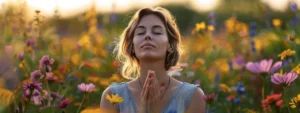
150 20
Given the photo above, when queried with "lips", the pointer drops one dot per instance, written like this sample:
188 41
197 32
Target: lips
147 44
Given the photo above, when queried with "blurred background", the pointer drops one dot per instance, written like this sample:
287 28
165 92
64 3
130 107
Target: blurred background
221 37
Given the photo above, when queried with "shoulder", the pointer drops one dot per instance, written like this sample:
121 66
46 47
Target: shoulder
197 102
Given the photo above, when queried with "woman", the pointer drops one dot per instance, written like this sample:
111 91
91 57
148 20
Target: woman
148 47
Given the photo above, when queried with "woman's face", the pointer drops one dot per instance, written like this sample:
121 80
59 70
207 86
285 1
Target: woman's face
150 39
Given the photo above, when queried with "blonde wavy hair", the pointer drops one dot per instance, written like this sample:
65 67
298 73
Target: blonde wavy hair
130 64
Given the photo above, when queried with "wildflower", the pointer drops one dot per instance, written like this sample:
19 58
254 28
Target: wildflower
210 98
270 100
31 88
225 88
8 50
295 102
63 104
293 6
20 56
45 63
286 53
296 69
113 99
252 29
210 28
5 97
200 26
30 42
86 87
284 79
264 66
50 78
276 22
240 88
35 75
92 110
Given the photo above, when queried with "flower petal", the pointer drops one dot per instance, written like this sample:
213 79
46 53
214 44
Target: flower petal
276 66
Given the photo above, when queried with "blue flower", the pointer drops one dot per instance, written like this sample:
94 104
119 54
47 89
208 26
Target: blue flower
293 7
236 100
240 89
252 29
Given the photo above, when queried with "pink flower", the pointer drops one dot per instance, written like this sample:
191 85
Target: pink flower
285 79
264 66
45 63
86 87
8 50
210 98
50 78
30 42
63 104
34 76
21 56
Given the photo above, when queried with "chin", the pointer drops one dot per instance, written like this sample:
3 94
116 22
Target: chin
150 56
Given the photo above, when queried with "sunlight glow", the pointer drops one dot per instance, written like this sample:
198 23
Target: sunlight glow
204 5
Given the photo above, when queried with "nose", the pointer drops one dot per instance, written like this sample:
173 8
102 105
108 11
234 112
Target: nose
147 37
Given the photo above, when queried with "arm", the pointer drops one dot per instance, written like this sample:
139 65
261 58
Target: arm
105 106
197 104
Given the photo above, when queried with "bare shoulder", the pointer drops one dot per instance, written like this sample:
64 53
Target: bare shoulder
197 102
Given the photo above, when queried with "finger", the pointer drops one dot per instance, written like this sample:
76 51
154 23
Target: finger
145 85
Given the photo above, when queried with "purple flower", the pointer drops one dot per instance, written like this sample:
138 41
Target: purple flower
53 95
45 63
34 76
63 104
20 56
30 42
293 7
285 79
86 87
33 88
264 66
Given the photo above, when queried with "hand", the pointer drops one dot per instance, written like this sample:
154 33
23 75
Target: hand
151 92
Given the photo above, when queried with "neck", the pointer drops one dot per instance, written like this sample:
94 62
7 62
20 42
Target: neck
158 67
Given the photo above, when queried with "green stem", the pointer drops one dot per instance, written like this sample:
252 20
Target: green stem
28 102
285 98
49 94
208 108
25 69
263 87
81 104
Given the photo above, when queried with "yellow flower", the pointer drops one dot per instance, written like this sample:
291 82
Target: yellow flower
296 69
211 28
225 88
276 22
91 110
85 41
200 61
75 59
115 77
286 53
5 97
200 26
113 99
295 102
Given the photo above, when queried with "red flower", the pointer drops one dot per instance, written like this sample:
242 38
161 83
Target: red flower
210 98
274 99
